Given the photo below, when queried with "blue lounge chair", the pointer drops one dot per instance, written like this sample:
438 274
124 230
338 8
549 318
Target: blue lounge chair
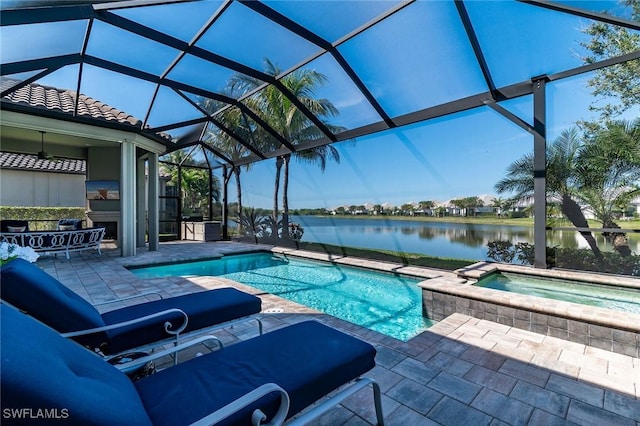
33 291
273 377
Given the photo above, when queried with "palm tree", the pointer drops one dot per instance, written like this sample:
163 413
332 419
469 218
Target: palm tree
608 167
407 209
194 182
474 203
498 204
426 206
232 118
284 116
561 157
458 203
467 204
318 156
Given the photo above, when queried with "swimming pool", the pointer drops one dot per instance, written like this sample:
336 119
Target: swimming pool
387 303
605 296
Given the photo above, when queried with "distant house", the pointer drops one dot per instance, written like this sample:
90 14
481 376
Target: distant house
452 210
485 210
424 212
635 206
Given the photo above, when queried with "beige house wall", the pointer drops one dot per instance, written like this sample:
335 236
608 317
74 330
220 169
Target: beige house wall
41 189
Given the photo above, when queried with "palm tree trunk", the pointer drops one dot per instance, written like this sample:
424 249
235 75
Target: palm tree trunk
236 172
285 198
618 240
572 210
274 225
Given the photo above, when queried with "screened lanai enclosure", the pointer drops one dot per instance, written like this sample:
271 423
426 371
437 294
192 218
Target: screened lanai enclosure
420 100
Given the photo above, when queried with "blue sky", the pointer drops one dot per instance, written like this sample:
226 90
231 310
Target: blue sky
458 156
403 62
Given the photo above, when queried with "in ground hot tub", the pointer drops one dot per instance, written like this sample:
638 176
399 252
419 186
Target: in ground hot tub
602 327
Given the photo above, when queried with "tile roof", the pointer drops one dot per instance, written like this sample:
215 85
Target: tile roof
61 100
10 160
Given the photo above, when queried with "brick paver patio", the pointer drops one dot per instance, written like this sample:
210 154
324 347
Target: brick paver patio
462 371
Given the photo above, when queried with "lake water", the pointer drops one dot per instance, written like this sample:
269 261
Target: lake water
441 239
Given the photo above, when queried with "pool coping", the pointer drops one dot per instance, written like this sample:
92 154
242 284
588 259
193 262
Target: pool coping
378 265
417 272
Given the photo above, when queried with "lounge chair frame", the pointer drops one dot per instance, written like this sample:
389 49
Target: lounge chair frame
175 334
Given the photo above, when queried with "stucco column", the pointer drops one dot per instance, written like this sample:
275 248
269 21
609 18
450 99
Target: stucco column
141 210
153 203
127 230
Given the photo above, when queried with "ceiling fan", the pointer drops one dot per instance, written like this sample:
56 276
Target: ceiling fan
42 155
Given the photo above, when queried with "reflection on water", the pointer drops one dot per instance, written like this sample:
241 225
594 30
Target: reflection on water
454 240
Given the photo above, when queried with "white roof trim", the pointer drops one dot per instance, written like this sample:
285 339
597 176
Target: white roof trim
32 122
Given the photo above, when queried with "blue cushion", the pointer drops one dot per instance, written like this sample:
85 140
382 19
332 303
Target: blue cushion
204 310
42 370
308 360
32 290
37 293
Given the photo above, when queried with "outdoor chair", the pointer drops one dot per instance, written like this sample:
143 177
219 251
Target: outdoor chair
33 291
270 377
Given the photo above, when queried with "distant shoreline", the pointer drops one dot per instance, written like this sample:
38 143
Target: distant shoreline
481 220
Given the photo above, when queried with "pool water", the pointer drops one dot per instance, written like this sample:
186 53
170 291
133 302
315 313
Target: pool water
604 296
387 303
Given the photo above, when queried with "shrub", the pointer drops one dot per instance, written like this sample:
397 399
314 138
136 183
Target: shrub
506 251
501 251
579 259
296 231
250 223
517 215
46 216
583 259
